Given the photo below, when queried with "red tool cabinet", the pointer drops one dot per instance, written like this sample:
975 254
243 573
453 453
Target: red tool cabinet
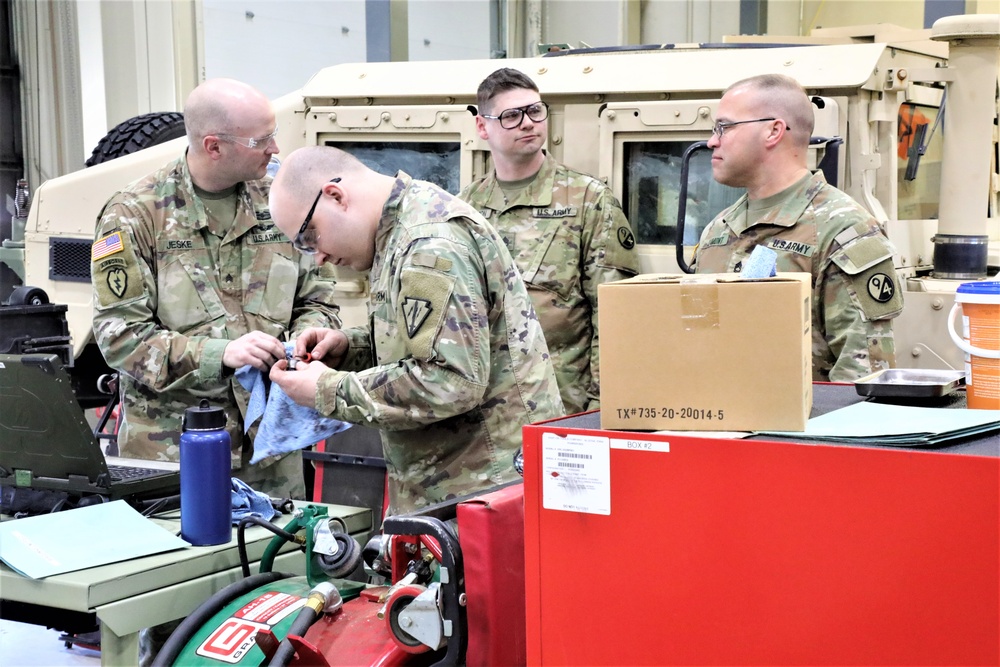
751 552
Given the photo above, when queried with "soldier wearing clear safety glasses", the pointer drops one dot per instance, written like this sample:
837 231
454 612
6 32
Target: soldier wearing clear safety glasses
565 229
192 280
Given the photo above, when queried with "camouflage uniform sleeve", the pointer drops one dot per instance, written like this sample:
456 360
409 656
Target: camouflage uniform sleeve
610 255
314 299
359 349
126 328
439 326
860 298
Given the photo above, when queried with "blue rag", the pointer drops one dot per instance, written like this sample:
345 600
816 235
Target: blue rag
760 264
247 502
285 426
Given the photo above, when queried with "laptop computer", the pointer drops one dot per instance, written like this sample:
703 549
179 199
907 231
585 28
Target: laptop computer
47 444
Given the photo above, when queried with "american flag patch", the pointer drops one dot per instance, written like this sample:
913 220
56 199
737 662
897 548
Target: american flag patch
109 245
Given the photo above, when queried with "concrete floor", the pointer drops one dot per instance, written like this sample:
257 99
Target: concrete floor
23 645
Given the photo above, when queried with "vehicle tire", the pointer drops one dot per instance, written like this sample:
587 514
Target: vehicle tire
137 133
28 296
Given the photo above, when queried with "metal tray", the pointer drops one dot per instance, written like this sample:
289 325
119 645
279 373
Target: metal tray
910 383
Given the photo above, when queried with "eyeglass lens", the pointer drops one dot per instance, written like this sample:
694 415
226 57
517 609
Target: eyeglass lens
511 118
303 242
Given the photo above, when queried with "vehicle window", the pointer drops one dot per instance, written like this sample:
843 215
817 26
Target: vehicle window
434 161
652 186
919 177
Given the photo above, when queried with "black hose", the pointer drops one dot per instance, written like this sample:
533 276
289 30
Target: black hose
285 652
346 560
209 608
241 542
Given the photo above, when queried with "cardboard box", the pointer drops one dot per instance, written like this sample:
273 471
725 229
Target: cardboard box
706 352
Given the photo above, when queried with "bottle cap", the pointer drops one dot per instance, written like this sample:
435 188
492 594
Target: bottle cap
205 417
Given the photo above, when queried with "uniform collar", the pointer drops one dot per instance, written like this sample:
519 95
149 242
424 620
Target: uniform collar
390 211
199 220
796 199
537 194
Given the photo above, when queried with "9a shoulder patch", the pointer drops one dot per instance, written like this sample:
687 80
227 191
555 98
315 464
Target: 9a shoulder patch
116 274
877 291
619 251
423 303
625 237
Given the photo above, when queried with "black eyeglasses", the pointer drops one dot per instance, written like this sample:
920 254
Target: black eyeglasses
300 242
511 118
721 126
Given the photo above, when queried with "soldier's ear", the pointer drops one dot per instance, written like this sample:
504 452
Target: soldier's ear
212 146
481 128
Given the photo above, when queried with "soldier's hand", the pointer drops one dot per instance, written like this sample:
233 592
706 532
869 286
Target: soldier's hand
327 345
299 384
256 348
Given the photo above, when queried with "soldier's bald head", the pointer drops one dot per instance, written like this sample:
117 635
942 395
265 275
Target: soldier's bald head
779 96
223 106
305 170
304 173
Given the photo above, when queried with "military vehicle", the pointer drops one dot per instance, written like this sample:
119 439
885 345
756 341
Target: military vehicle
906 123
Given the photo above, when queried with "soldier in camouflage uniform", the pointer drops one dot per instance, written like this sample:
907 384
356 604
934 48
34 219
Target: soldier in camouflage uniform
193 280
760 142
453 362
565 229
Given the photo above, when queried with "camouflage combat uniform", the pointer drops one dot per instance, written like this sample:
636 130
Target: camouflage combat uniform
454 361
567 234
173 287
815 228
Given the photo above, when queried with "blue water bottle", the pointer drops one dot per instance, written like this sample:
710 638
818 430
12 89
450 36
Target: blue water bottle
206 501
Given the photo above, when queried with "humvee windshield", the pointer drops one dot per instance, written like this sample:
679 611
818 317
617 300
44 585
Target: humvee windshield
651 186
434 161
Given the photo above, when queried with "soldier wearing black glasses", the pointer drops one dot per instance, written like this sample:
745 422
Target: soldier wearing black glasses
565 229
451 362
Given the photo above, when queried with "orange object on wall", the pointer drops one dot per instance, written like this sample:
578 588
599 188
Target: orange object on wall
909 119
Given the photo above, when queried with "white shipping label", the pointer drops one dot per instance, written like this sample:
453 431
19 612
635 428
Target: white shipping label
576 473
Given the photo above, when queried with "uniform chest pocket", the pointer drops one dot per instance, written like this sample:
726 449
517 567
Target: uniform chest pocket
547 254
187 296
270 294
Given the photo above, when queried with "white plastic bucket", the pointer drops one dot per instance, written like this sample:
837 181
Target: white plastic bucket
980 306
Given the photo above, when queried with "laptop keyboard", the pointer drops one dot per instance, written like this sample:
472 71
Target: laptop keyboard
122 473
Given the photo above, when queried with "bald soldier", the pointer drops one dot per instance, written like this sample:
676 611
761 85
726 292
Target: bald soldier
192 280
565 229
760 142
452 362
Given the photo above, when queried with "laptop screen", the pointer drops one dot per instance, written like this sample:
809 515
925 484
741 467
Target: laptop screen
42 427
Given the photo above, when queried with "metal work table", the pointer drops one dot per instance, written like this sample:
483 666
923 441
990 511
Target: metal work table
139 593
